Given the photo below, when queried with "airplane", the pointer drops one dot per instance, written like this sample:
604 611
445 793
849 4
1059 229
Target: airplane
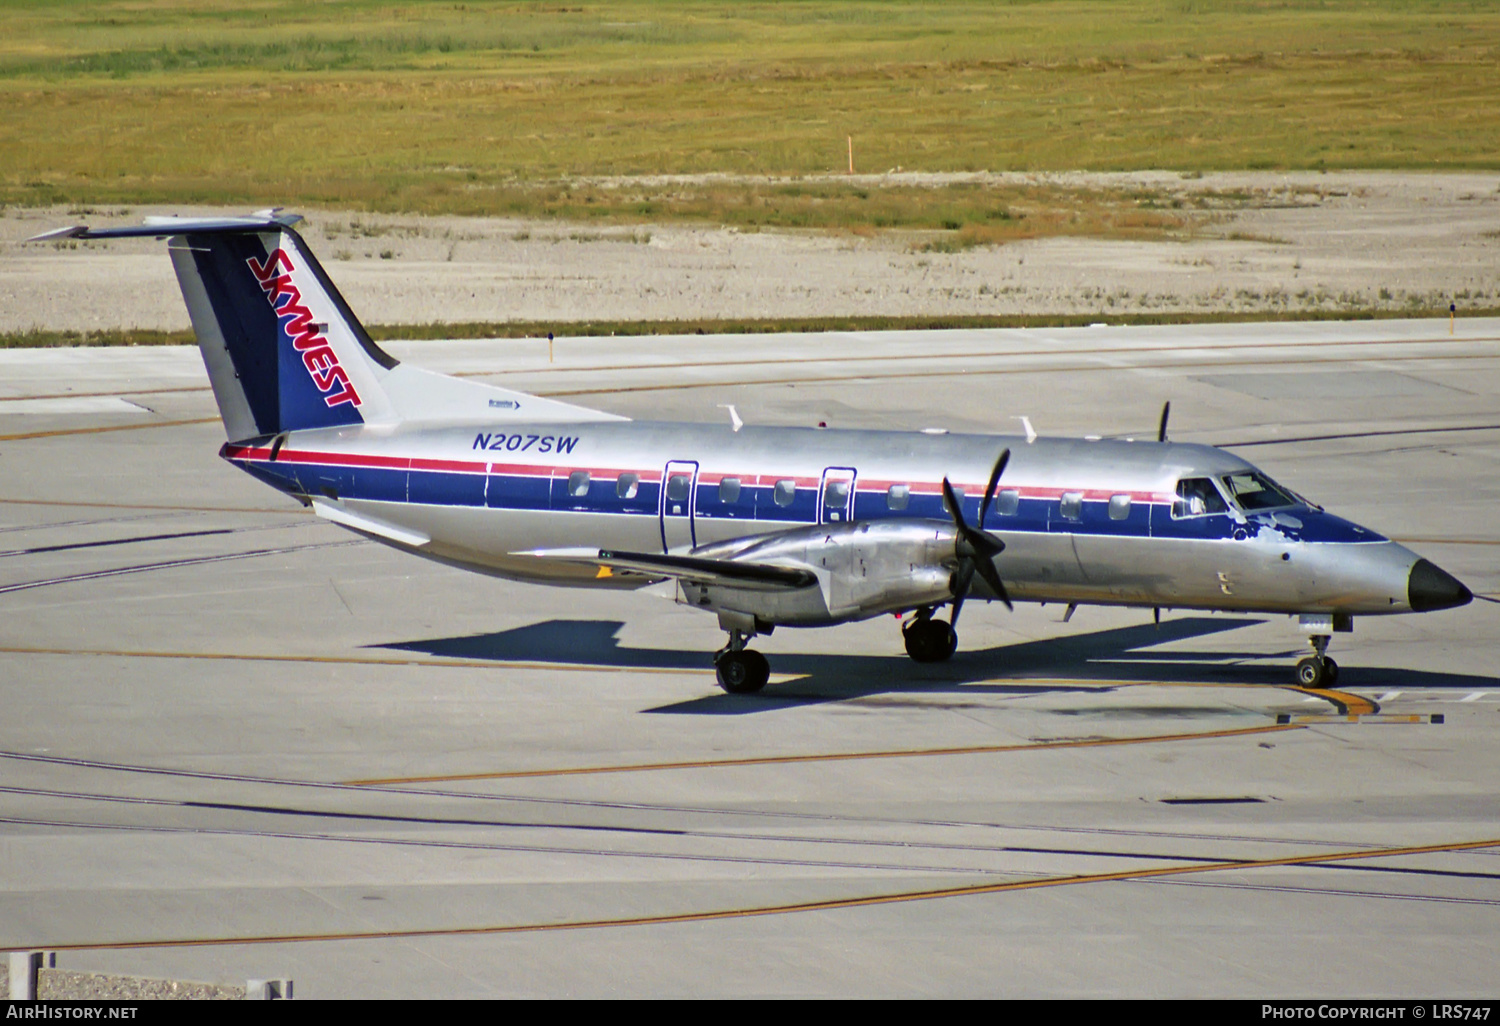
765 527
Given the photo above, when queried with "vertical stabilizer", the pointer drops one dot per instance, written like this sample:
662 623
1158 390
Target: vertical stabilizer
280 343
283 350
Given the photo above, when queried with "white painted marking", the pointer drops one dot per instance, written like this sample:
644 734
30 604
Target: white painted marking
1476 696
1389 696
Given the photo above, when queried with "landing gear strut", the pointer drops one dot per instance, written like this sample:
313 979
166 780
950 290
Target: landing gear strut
1318 670
928 640
741 670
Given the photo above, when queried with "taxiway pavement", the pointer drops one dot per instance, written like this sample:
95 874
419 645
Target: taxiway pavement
199 681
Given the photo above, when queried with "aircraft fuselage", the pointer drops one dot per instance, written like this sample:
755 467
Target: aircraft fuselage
1085 521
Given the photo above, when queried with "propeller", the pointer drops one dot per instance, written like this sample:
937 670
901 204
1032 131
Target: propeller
976 547
1161 432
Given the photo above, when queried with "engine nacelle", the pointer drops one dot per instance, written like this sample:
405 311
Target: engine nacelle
863 570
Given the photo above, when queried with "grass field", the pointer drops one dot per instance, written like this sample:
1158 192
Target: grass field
498 108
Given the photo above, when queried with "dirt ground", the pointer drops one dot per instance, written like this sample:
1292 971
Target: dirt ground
1306 241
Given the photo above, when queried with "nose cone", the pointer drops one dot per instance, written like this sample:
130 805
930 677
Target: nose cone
1429 588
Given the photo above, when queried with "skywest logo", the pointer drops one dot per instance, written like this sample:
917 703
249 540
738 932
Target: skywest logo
317 356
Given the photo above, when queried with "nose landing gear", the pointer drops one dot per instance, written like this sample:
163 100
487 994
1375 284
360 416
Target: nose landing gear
741 670
928 640
1318 670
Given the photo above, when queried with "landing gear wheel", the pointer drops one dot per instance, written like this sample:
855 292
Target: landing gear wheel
1311 672
742 673
930 641
1330 672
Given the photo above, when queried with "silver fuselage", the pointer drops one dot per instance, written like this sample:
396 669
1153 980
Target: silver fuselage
489 497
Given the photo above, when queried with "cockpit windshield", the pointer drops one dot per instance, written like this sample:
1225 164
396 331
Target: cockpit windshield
1252 491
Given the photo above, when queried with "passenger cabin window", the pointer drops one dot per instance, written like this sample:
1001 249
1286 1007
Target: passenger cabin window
1008 502
578 484
1254 491
1119 507
677 487
1196 497
1071 506
784 492
627 486
729 490
897 497
835 498
958 493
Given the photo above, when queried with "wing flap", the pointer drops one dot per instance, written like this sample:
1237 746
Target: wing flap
723 572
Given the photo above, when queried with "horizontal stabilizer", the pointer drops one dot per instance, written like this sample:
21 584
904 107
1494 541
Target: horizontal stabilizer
722 572
164 227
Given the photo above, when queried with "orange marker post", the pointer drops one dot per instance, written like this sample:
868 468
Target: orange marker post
851 154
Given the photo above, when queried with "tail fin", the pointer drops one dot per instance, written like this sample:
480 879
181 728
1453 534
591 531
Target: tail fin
244 288
283 350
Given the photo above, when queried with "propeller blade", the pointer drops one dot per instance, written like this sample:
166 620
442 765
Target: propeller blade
992 578
961 582
1161 432
984 544
954 507
989 491
976 548
972 541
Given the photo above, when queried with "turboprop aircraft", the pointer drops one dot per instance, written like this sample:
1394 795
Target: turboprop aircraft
763 526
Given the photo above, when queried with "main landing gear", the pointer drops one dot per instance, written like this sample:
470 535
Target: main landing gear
1318 670
741 670
928 640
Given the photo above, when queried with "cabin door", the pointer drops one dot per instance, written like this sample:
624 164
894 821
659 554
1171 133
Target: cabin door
836 496
679 492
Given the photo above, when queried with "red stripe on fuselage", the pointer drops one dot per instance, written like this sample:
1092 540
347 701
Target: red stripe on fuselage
870 486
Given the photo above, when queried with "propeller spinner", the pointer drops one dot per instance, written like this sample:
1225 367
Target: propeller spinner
976 548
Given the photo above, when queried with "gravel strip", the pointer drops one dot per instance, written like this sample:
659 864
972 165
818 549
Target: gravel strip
1268 242
61 985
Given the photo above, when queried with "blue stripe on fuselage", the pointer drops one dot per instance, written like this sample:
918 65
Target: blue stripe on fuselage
757 503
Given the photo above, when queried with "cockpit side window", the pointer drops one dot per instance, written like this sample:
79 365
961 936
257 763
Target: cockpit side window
1197 497
1252 491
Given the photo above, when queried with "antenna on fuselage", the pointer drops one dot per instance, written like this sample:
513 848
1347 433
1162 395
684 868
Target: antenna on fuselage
734 416
1161 431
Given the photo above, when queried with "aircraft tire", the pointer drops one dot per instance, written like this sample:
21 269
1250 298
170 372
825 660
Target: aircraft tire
742 673
915 636
1310 672
946 639
1330 672
930 641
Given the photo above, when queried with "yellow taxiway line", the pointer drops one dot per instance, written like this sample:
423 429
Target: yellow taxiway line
785 909
778 760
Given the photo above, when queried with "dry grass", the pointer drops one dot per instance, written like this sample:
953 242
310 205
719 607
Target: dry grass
488 108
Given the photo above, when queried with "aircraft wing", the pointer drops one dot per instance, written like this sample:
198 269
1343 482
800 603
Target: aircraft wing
702 570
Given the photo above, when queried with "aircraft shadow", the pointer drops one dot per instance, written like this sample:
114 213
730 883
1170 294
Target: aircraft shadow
1120 654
